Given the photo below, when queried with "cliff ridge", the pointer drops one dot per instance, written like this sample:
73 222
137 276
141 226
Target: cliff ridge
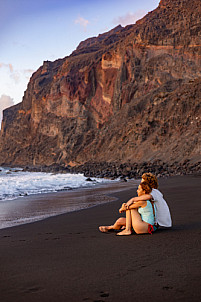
132 94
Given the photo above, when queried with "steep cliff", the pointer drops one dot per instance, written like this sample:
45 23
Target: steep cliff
130 94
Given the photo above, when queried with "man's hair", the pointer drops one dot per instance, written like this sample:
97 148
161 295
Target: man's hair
146 187
151 180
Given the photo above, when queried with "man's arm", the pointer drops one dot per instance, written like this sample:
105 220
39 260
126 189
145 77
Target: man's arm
135 205
139 198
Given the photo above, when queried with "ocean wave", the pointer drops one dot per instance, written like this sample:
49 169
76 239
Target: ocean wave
15 183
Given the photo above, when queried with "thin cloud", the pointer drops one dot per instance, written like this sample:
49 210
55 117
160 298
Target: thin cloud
5 102
9 66
17 74
129 18
12 74
28 73
82 22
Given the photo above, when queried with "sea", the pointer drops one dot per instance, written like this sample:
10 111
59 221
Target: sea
27 197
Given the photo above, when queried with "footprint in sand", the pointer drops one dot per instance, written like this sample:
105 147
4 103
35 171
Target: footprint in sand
33 289
167 287
160 273
104 294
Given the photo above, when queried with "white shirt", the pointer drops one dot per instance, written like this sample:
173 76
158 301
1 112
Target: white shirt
163 217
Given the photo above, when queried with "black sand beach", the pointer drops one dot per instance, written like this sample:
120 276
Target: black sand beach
66 258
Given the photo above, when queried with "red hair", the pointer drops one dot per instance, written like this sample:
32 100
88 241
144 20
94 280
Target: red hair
146 187
151 179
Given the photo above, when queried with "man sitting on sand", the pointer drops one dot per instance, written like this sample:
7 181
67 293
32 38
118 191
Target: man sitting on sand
162 213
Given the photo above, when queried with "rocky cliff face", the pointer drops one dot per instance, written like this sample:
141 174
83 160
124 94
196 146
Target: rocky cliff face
132 94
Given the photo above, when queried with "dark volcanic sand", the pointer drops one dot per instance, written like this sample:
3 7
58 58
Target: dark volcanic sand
66 258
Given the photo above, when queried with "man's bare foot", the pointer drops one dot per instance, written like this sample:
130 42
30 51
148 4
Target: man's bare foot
104 229
124 233
123 208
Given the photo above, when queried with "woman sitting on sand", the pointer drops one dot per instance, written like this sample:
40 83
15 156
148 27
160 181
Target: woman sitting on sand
139 215
162 214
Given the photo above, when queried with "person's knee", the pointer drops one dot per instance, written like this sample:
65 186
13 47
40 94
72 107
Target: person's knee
120 220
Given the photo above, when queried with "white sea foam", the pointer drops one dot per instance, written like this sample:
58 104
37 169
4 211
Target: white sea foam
15 183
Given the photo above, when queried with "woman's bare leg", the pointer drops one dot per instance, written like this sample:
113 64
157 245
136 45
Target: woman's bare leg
119 223
139 226
128 229
134 218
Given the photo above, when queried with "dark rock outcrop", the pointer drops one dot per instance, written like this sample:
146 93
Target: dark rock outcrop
129 95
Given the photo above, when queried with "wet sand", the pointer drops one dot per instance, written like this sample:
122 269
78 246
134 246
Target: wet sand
66 258
32 208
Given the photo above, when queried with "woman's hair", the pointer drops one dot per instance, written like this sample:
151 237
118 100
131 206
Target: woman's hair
146 187
151 180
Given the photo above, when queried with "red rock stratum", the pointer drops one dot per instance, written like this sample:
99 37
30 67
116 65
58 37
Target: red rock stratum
132 93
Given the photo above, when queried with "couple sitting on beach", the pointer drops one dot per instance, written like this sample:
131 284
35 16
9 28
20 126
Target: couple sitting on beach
145 212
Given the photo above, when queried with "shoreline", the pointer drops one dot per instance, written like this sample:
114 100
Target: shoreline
114 170
66 258
69 201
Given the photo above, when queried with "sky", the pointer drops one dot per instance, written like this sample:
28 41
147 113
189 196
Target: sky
33 31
